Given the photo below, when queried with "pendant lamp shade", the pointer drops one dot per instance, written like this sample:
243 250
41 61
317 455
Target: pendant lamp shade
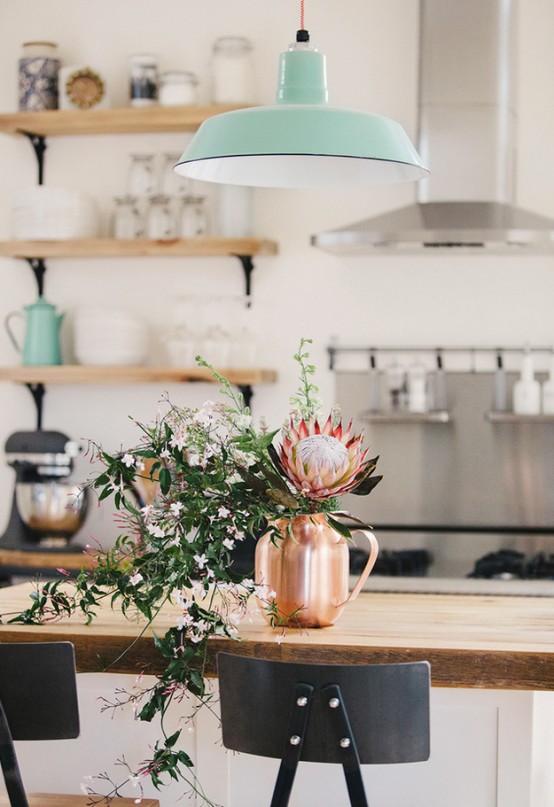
301 141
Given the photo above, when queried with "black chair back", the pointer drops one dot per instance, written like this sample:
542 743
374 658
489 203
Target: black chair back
347 714
38 701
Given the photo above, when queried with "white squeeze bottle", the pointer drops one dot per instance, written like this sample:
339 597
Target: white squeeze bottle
527 391
548 390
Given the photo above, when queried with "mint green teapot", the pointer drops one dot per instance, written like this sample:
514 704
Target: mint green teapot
41 344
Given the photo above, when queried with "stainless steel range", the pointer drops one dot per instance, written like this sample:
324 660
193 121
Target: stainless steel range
467 501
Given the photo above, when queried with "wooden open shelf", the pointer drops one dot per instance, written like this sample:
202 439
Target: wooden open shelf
127 120
22 559
119 374
137 247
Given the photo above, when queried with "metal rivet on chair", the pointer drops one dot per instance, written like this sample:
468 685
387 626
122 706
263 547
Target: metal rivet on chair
301 701
334 703
294 740
345 742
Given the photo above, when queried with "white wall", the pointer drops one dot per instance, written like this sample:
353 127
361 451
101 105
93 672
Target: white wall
372 51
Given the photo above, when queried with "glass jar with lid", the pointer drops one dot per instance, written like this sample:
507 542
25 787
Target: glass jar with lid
178 88
144 81
160 221
233 74
127 222
39 67
193 217
141 180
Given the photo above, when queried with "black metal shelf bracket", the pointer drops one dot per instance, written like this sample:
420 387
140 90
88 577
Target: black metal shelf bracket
39 268
247 268
38 143
38 391
247 393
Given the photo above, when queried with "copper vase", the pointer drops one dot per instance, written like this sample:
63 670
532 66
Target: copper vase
308 569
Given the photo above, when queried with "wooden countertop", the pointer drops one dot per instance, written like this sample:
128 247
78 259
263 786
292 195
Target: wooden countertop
471 641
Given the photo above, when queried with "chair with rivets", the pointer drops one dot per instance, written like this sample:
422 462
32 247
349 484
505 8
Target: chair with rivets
347 714
38 701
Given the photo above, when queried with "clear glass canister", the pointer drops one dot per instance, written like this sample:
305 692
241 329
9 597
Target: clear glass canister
38 76
193 217
127 222
144 80
160 222
233 74
142 180
178 88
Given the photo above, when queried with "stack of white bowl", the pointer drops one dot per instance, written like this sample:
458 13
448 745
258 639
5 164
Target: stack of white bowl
43 213
110 336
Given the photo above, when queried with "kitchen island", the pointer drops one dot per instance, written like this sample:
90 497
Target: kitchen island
470 641
492 666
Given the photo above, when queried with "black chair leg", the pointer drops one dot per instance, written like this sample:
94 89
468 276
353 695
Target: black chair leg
10 768
293 744
338 717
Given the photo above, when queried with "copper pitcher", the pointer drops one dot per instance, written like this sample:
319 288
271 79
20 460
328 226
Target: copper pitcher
308 569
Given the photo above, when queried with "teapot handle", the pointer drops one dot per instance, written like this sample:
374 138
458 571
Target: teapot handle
373 553
10 333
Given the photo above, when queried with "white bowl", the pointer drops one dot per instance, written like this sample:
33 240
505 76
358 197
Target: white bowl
44 213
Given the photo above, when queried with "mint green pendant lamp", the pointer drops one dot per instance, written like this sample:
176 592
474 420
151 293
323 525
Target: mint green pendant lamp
301 141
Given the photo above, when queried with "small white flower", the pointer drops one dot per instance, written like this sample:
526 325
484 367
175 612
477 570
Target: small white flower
228 543
140 465
156 531
179 439
147 511
177 596
128 460
165 454
193 459
175 508
136 579
223 512
201 560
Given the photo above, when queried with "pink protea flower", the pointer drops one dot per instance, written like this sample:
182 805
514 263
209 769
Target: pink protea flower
322 462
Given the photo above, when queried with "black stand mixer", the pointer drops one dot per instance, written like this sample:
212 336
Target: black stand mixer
47 508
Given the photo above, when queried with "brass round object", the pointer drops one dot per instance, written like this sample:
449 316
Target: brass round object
84 88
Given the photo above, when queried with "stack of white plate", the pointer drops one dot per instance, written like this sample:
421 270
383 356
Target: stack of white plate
44 213
110 336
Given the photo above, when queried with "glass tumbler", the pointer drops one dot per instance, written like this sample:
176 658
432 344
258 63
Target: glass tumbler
159 218
193 217
127 222
142 181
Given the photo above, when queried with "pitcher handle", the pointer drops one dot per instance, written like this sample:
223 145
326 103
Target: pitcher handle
373 553
10 333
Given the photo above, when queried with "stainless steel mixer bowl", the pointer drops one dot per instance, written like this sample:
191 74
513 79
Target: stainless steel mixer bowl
52 509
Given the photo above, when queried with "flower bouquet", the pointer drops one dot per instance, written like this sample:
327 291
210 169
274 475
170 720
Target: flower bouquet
218 480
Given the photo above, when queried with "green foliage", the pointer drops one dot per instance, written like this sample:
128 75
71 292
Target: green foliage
219 480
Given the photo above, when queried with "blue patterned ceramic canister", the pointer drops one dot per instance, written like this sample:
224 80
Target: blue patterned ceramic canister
38 76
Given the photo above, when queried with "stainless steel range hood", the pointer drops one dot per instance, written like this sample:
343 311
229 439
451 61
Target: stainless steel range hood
467 126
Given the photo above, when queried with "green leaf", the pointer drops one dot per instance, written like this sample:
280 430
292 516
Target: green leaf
342 529
366 485
165 480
